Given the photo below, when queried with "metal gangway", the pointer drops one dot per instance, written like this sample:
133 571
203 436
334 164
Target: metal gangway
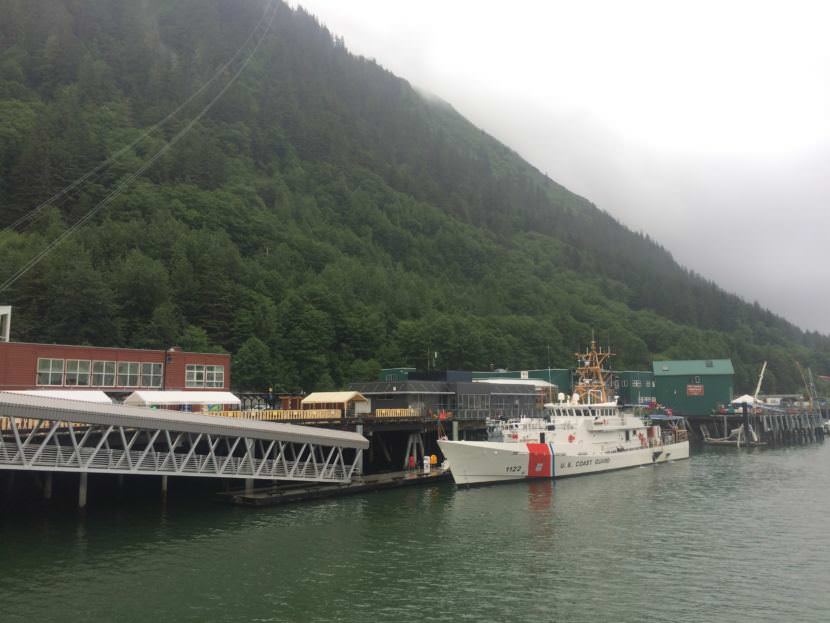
56 435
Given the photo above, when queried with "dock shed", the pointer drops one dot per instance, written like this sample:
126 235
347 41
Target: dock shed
349 403
694 387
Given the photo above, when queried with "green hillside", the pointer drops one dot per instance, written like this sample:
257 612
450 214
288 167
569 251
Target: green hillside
323 219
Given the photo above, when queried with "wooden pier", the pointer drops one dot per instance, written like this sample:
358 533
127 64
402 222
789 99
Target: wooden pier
285 494
772 429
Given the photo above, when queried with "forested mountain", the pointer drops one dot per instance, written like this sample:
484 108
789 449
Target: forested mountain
321 220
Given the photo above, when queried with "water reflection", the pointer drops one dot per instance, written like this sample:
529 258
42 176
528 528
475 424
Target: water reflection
540 496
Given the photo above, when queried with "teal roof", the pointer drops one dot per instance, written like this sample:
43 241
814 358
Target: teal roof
696 367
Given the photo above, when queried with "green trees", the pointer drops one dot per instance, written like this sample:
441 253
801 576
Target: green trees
322 221
252 367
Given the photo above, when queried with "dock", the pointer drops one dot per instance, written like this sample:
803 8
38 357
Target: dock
772 429
290 493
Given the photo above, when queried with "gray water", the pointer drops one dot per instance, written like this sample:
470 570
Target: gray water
725 536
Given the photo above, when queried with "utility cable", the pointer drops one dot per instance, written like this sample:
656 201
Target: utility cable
133 176
32 214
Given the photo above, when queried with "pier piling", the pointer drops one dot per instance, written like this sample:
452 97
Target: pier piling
82 489
359 468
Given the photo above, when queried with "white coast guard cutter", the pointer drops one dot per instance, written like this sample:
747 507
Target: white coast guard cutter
579 436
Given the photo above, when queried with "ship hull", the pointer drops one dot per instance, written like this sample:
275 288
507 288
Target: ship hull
483 462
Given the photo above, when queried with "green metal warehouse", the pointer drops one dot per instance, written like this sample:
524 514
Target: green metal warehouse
693 387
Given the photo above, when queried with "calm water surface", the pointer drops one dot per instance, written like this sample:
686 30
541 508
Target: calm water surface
726 536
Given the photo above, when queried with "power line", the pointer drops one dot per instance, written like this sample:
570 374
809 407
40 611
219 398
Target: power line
32 214
122 186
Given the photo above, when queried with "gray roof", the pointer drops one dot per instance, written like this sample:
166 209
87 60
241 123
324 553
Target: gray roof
401 387
38 407
382 388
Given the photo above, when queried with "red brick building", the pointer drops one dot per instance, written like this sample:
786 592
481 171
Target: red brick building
113 370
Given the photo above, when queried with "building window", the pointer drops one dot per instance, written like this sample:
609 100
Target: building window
214 376
127 374
204 376
50 371
194 376
151 375
77 372
103 373
636 383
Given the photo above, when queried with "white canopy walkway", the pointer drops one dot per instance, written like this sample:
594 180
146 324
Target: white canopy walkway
55 435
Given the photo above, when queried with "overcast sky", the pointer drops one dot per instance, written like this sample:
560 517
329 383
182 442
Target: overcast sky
704 124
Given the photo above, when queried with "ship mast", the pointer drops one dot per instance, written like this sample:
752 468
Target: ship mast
590 377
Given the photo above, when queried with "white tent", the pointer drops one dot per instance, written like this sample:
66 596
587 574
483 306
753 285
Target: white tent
746 398
173 398
82 395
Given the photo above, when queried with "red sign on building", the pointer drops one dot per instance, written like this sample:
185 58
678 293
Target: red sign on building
694 390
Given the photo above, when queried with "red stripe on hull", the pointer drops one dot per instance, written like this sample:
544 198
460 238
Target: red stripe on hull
538 462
